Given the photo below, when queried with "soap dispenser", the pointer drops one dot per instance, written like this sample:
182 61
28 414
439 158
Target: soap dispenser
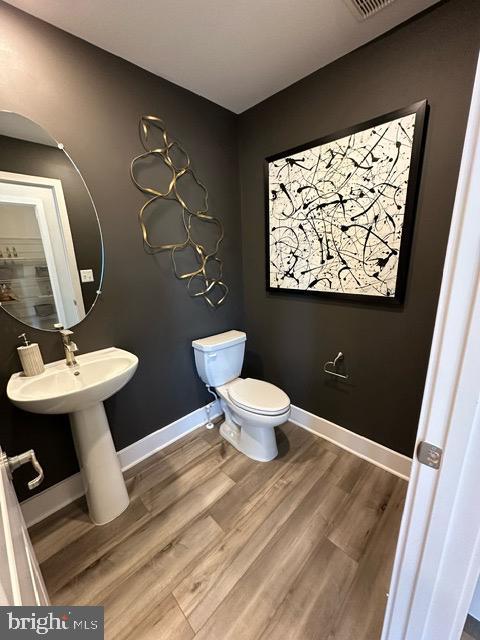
30 357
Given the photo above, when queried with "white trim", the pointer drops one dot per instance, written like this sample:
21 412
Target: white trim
46 502
360 446
59 495
138 451
63 493
56 236
6 487
41 205
438 555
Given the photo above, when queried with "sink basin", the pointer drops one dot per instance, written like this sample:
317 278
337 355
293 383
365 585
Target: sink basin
62 389
80 392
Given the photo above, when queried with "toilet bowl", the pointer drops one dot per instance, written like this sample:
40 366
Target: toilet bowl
252 408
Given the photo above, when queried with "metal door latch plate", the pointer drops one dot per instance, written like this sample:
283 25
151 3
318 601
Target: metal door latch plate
429 454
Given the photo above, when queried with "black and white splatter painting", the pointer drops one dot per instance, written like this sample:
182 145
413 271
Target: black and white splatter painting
336 212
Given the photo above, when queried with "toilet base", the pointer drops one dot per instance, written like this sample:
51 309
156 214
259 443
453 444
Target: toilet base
258 443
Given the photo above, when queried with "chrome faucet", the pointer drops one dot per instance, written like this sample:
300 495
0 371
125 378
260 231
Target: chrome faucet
70 347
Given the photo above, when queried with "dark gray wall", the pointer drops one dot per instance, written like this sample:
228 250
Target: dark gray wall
91 101
31 158
386 349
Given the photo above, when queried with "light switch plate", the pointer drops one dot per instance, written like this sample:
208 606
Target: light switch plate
86 275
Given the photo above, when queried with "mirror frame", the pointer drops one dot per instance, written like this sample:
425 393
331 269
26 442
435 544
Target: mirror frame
99 290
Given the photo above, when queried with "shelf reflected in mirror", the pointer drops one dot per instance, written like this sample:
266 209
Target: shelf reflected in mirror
51 249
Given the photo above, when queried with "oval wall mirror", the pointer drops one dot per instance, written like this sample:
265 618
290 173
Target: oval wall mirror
51 249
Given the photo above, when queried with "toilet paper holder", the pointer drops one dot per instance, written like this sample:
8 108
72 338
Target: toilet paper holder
331 366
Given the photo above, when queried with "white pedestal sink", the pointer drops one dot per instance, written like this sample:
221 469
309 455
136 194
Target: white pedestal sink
80 392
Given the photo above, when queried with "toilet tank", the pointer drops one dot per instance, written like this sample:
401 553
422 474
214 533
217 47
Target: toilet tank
219 358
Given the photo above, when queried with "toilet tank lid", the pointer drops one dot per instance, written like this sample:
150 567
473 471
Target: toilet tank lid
219 341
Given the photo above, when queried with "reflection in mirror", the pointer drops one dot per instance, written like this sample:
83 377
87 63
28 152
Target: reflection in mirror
51 251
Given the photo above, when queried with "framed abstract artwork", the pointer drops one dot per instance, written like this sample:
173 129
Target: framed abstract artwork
340 210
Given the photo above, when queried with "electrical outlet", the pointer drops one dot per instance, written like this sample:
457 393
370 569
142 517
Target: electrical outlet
86 275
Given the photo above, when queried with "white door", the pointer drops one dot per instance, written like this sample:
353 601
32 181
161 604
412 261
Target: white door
21 582
437 563
41 201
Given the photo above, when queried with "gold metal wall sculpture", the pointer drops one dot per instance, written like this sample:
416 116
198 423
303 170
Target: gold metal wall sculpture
205 278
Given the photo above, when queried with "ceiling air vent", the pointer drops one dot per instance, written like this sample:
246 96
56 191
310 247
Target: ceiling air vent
364 9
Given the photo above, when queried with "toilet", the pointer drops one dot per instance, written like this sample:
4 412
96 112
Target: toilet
253 408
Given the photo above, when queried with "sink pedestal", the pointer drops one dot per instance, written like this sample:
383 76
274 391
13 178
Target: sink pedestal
80 393
102 477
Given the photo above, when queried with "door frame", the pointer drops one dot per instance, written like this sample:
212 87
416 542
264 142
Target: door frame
21 582
437 562
46 195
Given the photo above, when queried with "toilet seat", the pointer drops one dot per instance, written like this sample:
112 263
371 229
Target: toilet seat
259 397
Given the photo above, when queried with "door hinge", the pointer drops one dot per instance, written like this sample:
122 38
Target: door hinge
429 454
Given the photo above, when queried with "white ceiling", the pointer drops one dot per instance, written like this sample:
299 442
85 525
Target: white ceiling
234 52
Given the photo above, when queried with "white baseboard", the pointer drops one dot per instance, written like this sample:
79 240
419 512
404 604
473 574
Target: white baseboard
138 451
54 498
362 447
59 495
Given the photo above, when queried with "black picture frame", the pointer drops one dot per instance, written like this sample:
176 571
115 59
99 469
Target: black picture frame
420 109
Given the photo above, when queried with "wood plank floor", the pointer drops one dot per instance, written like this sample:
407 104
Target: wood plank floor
471 630
216 546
